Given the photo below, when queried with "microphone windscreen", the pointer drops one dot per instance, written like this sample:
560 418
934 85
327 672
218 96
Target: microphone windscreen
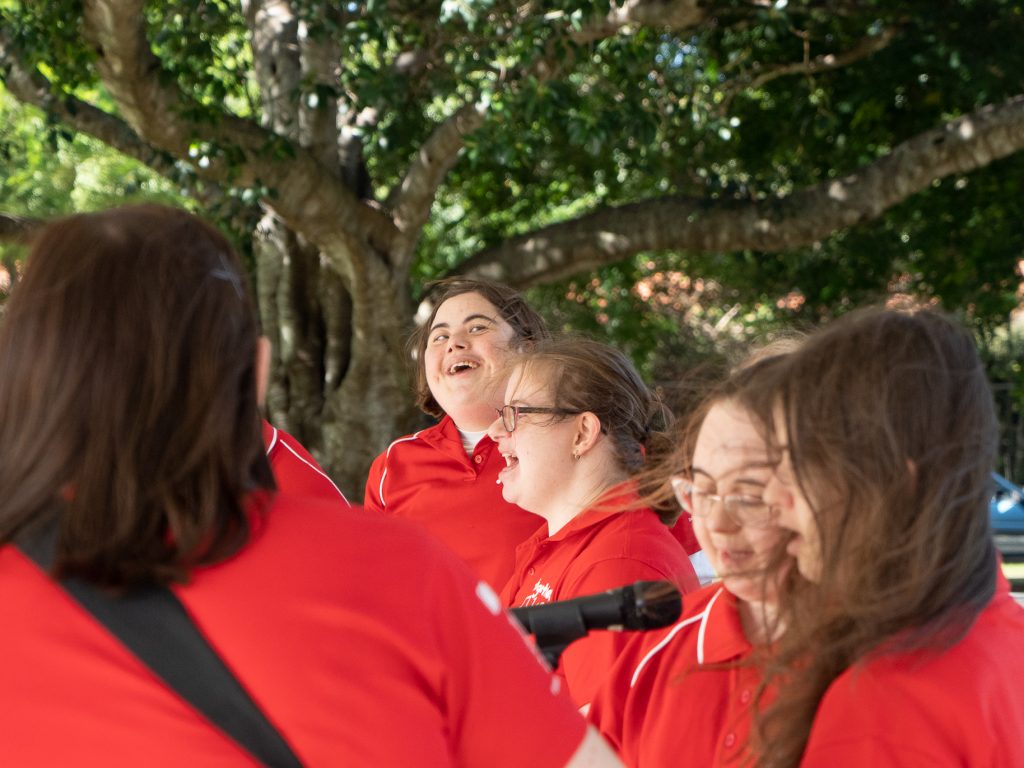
655 604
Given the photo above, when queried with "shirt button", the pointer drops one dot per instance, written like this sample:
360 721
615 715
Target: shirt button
730 740
745 697
478 458
532 571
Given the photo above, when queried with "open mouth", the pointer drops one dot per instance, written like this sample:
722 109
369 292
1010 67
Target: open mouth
511 462
736 559
462 366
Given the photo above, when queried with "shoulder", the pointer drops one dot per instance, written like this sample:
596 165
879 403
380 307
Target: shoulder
955 703
314 534
636 536
438 435
294 468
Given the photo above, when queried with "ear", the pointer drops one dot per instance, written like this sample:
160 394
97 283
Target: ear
522 345
588 430
263 350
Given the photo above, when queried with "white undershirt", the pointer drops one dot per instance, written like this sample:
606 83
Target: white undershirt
470 439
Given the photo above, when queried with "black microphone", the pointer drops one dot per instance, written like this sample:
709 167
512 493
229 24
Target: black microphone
639 606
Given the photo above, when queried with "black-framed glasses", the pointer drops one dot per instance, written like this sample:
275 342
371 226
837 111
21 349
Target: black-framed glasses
743 509
510 413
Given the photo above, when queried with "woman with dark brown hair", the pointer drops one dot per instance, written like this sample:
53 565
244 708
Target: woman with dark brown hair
148 572
902 644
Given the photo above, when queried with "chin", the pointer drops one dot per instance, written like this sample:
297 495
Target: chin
745 589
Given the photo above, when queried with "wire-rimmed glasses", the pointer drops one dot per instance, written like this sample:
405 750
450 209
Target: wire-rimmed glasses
743 509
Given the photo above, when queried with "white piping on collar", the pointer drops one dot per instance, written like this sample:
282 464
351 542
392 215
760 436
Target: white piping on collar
701 617
273 440
387 455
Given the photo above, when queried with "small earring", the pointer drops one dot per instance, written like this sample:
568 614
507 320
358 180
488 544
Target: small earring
576 455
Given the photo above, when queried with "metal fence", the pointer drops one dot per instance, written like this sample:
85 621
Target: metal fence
1010 460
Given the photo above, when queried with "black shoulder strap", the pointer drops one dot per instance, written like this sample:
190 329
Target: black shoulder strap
153 625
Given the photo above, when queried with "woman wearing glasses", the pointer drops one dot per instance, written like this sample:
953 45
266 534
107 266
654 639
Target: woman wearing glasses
683 695
443 477
574 428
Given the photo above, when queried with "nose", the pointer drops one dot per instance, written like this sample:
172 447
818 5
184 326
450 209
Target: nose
457 340
720 520
777 495
497 430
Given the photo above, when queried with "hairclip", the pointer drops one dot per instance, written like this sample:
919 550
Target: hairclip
226 273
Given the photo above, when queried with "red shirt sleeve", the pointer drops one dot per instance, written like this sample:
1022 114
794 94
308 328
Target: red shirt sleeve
295 470
683 533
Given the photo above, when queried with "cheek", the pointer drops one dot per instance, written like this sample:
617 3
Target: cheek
803 516
494 351
700 530
763 540
431 358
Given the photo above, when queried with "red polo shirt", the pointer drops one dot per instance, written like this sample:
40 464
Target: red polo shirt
599 549
365 643
661 705
683 531
428 478
961 706
295 470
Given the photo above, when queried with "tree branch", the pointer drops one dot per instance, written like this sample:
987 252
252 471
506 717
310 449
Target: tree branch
17 229
411 200
611 234
304 193
675 15
760 76
30 87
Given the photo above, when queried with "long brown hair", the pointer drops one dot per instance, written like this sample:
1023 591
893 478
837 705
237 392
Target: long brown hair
128 396
891 433
526 323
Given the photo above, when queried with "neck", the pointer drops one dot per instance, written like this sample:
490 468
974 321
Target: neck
759 621
473 418
582 491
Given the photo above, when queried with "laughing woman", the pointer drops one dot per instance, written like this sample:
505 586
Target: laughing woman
574 427
902 644
443 477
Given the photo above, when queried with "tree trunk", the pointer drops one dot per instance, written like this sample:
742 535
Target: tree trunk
374 403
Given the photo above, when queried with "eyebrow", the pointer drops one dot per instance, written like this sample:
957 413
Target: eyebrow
737 480
490 320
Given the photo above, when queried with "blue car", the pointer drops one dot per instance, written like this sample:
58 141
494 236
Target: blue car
1006 510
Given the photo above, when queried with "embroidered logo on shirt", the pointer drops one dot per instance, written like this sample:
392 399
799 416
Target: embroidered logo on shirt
541 594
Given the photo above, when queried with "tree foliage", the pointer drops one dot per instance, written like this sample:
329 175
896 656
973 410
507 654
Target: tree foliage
682 164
